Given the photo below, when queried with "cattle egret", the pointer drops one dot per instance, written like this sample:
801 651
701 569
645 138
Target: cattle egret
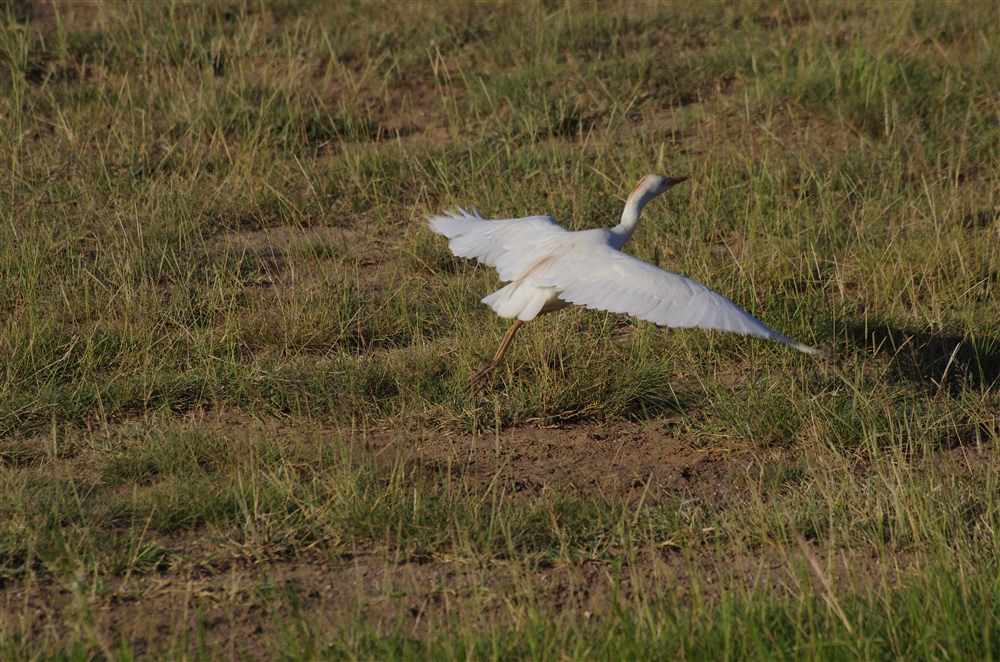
548 268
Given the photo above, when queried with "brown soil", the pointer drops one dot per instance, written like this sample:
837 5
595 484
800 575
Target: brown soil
618 460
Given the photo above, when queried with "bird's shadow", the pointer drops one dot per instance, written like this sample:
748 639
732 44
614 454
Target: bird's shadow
935 362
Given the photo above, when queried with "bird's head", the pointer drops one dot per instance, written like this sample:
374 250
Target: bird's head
651 186
648 188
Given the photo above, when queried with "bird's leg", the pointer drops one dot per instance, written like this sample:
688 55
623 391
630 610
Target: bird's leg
480 377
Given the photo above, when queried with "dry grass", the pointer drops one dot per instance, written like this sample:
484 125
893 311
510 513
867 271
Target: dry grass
228 334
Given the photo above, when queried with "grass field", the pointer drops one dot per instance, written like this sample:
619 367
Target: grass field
234 415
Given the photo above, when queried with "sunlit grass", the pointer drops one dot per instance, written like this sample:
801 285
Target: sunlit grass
218 210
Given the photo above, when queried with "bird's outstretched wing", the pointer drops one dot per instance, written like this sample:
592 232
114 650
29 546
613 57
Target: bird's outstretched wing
509 245
599 276
585 270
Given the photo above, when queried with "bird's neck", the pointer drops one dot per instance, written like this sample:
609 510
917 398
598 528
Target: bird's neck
630 217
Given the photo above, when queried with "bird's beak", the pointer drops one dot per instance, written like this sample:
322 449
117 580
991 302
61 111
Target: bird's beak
674 181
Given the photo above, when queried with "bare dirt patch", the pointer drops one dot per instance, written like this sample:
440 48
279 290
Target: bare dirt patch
596 459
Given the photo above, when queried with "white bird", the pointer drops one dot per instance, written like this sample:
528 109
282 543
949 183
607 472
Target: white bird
549 268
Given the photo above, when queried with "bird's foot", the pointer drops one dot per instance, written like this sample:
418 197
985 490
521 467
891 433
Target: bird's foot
479 379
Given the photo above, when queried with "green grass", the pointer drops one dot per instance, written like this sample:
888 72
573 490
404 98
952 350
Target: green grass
216 284
750 627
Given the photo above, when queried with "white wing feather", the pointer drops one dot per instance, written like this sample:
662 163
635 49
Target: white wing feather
510 245
598 276
584 269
